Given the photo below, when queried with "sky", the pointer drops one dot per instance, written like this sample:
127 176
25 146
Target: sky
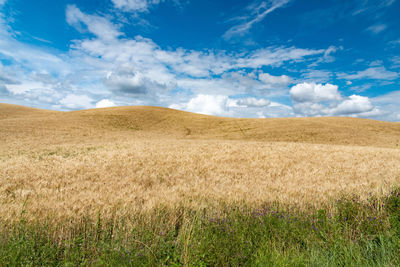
248 59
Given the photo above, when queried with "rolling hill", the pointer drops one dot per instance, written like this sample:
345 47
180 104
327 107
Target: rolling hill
139 158
9 111
23 123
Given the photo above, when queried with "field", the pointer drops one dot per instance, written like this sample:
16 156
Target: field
144 171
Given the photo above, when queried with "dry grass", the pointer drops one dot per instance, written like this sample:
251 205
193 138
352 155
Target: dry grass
138 158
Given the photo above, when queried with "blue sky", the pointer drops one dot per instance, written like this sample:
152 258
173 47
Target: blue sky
273 58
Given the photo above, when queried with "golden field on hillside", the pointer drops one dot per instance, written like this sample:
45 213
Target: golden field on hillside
132 159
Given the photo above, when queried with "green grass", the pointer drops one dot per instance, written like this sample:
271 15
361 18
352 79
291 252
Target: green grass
357 234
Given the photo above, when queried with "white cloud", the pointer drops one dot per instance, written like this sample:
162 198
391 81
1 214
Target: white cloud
221 105
377 28
275 56
386 3
5 78
312 92
210 86
25 56
252 102
144 53
72 101
139 71
372 6
353 105
127 82
134 5
99 26
327 57
2 2
331 50
325 100
105 103
21 88
310 109
360 88
232 83
36 76
389 106
396 61
259 11
378 73
275 80
206 104
200 72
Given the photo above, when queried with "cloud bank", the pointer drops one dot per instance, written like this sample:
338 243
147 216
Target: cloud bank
106 68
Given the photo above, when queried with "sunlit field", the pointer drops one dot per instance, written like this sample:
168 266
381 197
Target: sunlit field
157 175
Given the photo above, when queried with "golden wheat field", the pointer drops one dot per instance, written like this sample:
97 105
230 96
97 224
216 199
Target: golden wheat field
132 159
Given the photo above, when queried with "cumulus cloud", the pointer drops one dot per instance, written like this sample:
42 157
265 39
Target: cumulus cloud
127 82
245 107
312 99
275 80
72 101
206 104
388 105
353 105
259 108
105 103
312 92
377 73
221 105
252 102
